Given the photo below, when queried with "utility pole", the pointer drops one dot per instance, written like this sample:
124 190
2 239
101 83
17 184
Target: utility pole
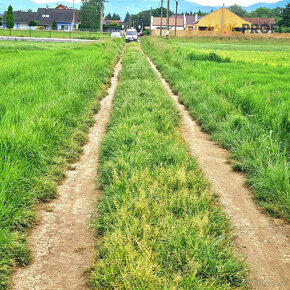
167 20
151 21
73 24
161 25
176 16
223 16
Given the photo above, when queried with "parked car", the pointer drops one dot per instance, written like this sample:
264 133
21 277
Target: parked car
131 35
116 34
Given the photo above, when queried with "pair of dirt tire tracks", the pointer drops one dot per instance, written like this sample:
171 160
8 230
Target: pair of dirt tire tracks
62 241
264 242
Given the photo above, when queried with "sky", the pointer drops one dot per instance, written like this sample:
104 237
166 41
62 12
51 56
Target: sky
201 2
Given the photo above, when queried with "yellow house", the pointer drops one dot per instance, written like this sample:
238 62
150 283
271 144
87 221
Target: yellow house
222 20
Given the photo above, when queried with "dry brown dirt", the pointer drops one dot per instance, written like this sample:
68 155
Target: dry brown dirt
62 242
264 242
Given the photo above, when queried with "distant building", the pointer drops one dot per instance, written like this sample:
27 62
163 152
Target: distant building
221 20
60 6
46 16
190 20
184 22
21 19
156 22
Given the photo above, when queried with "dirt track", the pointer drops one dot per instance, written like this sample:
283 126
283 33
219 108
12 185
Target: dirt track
264 242
62 242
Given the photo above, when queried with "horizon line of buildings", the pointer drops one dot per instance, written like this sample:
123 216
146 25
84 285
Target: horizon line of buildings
220 20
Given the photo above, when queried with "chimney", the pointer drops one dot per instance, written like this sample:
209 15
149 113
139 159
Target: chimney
196 17
46 6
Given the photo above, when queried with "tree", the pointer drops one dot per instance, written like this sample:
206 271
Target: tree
276 12
261 12
54 25
199 13
237 9
90 14
10 18
0 21
127 19
116 17
109 17
33 23
285 16
114 24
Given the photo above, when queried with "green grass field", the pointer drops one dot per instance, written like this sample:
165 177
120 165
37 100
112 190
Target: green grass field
159 226
238 91
48 93
54 34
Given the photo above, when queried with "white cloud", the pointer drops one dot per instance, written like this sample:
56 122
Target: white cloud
230 2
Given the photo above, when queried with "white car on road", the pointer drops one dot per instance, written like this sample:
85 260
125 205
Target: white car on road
131 35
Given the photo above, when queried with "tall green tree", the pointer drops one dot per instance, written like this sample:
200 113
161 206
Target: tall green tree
127 18
285 16
0 20
116 17
54 25
90 14
109 16
261 12
276 12
237 9
9 18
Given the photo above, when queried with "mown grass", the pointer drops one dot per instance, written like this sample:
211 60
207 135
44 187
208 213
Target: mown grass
244 105
48 94
158 224
54 34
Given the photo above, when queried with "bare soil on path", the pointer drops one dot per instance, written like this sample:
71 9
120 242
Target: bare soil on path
62 242
263 241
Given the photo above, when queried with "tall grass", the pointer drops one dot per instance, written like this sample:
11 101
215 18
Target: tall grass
158 224
244 105
54 34
48 93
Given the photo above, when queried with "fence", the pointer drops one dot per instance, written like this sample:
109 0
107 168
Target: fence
195 33
77 34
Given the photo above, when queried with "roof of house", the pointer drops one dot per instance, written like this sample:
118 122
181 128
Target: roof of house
60 6
190 19
260 21
45 16
214 17
21 17
114 21
57 15
180 21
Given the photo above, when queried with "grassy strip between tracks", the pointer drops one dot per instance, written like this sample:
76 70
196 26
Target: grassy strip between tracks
48 93
244 105
159 225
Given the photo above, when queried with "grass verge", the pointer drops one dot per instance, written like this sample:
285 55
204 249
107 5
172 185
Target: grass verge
158 224
48 93
244 105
